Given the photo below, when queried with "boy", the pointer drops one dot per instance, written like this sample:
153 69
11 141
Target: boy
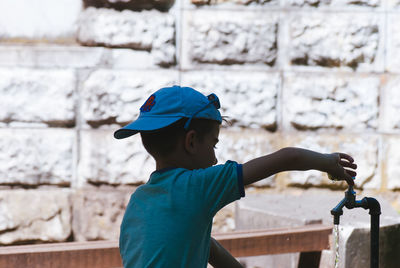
168 220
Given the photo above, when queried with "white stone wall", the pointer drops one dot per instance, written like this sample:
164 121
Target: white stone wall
323 75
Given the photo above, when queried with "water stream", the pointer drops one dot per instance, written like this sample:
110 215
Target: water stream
336 237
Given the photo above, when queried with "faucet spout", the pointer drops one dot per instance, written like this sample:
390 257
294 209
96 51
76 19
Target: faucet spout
349 201
338 211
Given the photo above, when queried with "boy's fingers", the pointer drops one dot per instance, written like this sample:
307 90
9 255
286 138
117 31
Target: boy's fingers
347 164
346 156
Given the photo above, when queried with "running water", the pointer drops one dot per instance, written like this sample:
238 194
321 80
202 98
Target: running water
336 237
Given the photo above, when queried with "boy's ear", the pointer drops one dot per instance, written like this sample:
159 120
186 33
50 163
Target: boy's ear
191 141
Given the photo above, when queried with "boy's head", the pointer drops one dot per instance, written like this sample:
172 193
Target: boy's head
178 118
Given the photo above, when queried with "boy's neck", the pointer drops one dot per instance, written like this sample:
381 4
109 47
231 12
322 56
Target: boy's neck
160 166
174 160
163 165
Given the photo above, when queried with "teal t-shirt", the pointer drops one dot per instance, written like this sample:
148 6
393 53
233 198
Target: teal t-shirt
168 220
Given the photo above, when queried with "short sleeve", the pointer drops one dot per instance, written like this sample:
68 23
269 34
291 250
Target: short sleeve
219 185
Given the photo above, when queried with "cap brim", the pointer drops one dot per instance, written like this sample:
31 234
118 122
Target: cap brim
142 124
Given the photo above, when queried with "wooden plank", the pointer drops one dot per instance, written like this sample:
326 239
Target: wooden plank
101 254
97 254
276 241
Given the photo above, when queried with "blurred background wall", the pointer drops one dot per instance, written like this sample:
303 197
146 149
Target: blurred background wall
322 75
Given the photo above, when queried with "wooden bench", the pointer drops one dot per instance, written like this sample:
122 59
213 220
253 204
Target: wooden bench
310 240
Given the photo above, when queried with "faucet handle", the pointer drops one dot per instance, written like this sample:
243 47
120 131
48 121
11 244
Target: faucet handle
350 190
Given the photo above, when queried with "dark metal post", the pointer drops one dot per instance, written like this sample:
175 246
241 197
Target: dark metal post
374 241
374 211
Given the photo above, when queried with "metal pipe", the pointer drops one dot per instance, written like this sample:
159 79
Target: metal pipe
350 202
374 211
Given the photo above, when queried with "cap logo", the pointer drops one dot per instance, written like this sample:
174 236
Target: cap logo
148 105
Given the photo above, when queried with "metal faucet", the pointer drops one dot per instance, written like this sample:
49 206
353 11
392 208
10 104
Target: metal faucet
349 201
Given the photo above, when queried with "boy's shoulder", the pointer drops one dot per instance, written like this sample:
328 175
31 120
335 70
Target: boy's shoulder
176 173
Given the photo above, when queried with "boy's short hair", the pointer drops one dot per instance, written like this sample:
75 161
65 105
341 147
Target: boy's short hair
162 142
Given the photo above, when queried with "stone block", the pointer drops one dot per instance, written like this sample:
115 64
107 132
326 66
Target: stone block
50 56
393 43
390 104
105 160
32 157
28 216
41 20
37 97
273 210
125 58
242 146
229 38
393 4
136 5
337 40
248 99
297 208
335 3
395 200
364 150
236 3
319 101
391 158
147 30
224 220
98 213
354 251
114 97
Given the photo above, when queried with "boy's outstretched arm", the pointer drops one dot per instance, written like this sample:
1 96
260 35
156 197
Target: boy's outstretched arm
220 257
339 165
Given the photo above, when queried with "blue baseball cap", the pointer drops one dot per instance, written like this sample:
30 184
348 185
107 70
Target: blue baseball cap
168 105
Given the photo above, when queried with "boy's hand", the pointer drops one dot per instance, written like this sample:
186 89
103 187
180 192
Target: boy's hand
342 167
